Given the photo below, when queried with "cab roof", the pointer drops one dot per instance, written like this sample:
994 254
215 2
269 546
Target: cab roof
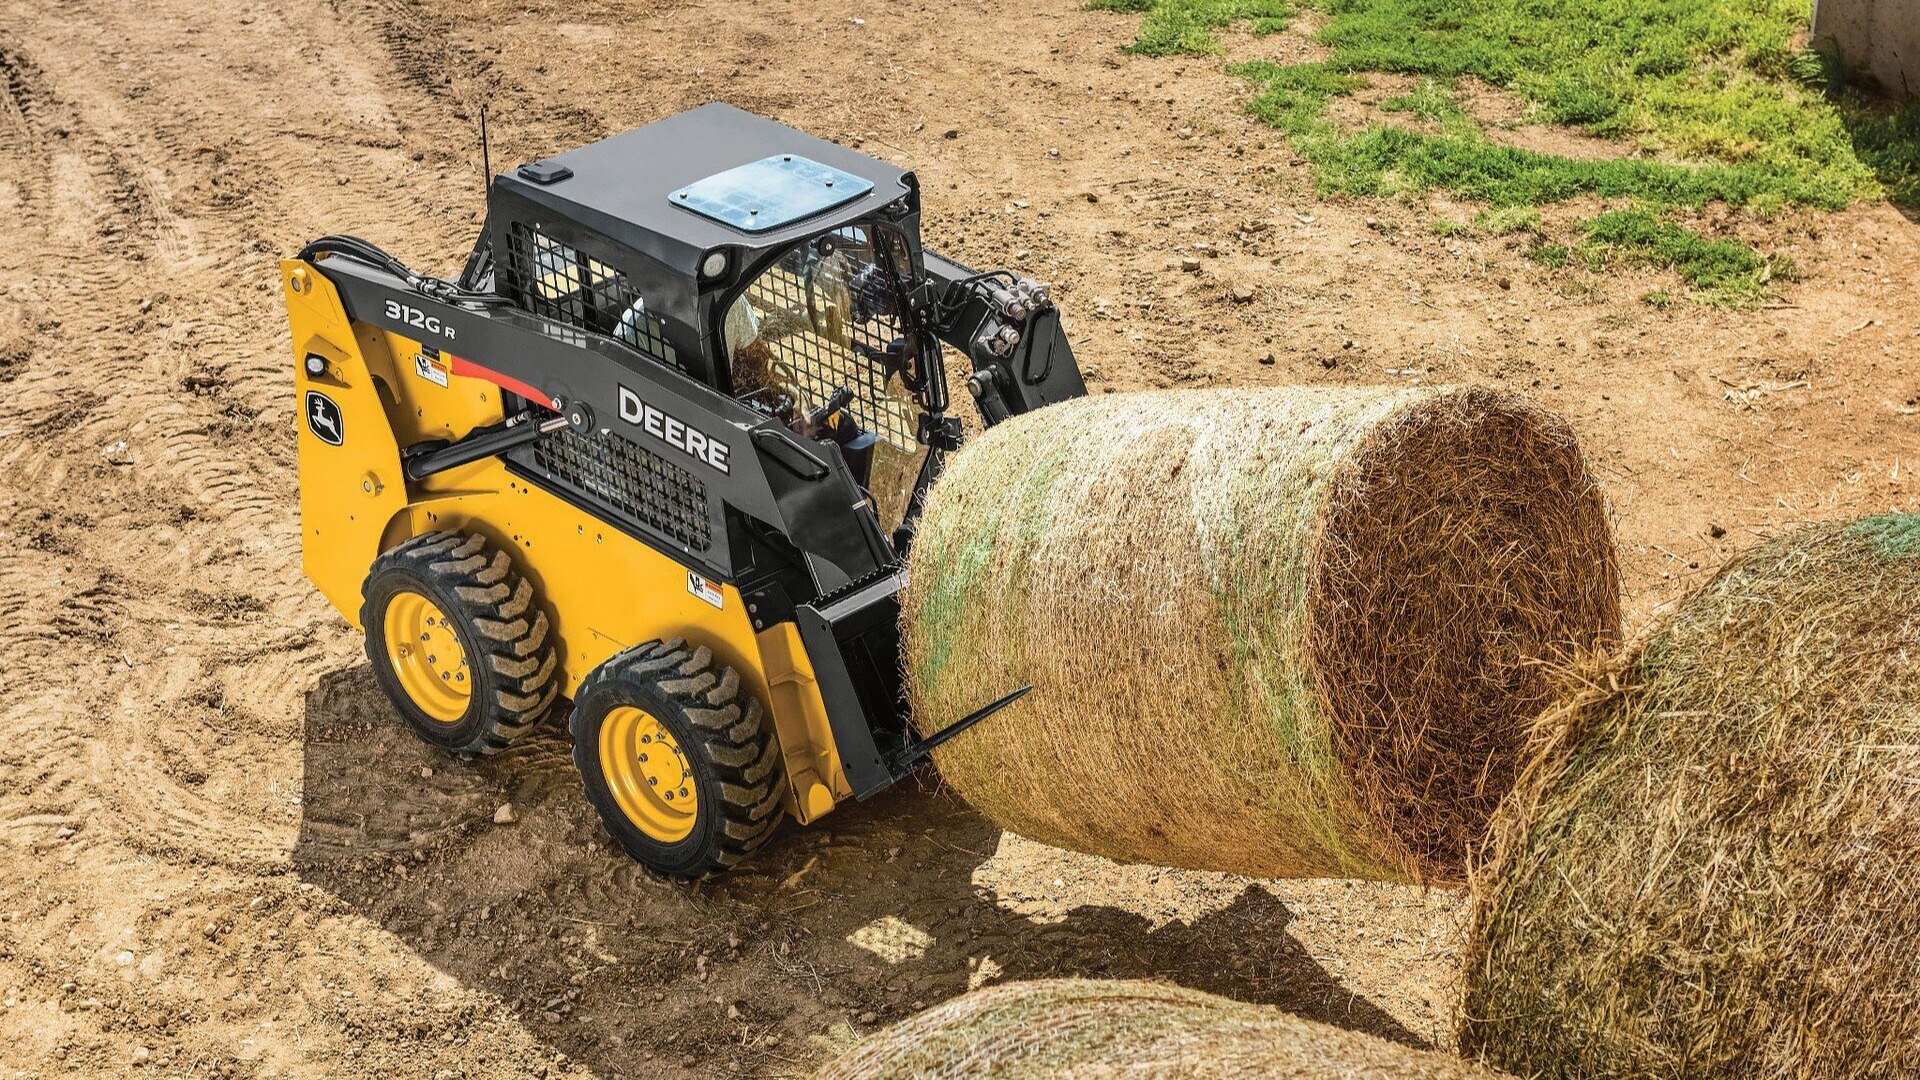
623 187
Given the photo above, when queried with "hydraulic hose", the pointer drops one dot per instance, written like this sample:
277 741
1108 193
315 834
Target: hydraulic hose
361 251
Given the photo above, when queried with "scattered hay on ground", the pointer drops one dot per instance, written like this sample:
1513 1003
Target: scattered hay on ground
1713 868
1287 632
1115 1030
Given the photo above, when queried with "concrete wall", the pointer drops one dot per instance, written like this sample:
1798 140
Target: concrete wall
1878 39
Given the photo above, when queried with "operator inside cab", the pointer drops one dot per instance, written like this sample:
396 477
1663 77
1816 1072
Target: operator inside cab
817 341
762 379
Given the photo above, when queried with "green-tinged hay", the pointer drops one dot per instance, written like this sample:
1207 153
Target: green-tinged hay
1285 632
1712 867
1083 1029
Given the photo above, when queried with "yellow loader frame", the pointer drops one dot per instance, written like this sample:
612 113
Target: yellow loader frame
603 590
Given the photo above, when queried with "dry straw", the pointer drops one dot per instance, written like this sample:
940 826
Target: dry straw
1712 869
1082 1030
1287 632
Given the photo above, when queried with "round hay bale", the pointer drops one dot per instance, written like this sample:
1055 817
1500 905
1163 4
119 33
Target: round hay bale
1712 869
1082 1029
1282 632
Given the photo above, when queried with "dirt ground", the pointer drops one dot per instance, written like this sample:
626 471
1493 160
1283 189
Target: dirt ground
220 855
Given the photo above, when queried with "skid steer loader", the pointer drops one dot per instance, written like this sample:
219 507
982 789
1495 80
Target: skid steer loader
661 449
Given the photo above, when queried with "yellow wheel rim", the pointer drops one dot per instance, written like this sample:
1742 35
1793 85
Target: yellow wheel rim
426 657
648 774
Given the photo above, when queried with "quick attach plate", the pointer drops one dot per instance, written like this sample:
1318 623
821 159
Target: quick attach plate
771 192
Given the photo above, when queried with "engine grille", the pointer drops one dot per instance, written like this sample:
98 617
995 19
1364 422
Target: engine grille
630 481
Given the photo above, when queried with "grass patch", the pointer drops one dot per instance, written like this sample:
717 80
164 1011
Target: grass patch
1507 221
1713 98
1188 26
1383 160
1551 256
1721 271
1885 137
1433 102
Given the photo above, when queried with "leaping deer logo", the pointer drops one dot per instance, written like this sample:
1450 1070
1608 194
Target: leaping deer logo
323 418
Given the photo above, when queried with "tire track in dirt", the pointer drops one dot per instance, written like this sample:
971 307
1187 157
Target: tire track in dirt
19 135
177 448
180 443
424 47
177 443
158 695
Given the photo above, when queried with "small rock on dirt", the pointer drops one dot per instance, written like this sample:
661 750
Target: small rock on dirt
506 814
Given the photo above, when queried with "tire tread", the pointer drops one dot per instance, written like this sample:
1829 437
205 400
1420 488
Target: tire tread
733 732
497 605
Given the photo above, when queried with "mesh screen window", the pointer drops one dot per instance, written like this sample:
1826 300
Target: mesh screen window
558 282
809 311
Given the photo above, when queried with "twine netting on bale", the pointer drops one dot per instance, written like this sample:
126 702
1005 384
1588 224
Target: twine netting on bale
1712 869
1084 1029
1284 632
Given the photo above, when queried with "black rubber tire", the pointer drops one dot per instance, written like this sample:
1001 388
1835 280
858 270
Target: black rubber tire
493 612
729 745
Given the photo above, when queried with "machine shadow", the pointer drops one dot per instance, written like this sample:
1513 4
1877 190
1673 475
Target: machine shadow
1884 127
860 920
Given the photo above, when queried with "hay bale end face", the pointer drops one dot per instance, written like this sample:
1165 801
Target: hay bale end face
1287 632
1118 1030
1712 869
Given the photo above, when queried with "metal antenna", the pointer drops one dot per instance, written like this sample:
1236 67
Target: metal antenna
486 160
